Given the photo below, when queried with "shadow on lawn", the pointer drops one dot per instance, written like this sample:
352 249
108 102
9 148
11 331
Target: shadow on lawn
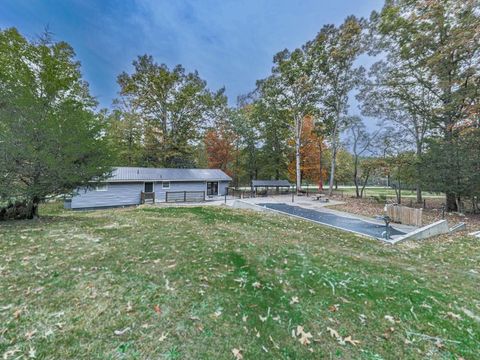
207 215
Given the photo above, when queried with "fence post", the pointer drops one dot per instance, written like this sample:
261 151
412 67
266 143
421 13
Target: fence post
225 198
166 196
293 194
204 196
184 196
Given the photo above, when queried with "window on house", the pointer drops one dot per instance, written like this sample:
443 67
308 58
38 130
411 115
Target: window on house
166 185
102 187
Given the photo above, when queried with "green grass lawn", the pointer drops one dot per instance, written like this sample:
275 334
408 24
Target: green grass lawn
197 283
388 192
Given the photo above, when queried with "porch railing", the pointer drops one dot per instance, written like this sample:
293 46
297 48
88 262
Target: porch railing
147 197
184 196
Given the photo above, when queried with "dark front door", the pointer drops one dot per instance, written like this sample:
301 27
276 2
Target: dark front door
149 187
212 188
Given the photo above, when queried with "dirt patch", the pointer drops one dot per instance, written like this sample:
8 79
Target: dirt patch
433 212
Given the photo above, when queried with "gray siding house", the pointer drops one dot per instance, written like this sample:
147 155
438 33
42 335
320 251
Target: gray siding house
135 185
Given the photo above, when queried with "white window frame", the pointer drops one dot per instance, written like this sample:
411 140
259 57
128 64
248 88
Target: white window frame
165 187
103 187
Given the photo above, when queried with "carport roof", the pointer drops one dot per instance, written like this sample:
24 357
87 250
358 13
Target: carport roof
132 174
270 183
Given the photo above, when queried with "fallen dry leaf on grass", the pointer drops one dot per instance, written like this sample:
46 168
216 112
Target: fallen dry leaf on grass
257 285
349 340
237 354
304 336
390 319
342 341
333 333
121 332
17 313
334 308
454 316
9 353
294 300
157 309
388 332
29 334
162 337
129 307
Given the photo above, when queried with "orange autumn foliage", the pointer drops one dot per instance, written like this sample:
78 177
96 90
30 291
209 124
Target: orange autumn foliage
311 146
219 145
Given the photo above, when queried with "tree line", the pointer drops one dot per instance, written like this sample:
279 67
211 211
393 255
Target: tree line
422 90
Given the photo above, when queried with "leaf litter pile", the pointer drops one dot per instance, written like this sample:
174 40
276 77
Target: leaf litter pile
218 283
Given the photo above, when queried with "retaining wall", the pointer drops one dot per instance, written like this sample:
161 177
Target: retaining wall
437 228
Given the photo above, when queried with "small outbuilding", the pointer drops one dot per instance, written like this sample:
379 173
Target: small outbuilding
262 186
136 185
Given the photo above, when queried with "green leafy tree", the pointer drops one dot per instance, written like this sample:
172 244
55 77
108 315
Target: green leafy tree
368 167
466 150
333 53
274 130
124 135
291 89
344 166
247 150
361 142
50 139
174 106
432 65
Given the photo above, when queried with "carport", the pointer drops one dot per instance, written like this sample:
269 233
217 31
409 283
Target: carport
269 184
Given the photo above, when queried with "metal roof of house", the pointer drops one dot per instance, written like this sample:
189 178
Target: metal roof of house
270 183
131 174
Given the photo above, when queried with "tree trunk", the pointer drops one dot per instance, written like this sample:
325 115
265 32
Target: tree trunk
320 181
419 194
32 208
364 184
419 189
334 154
355 177
298 134
399 200
298 174
451 202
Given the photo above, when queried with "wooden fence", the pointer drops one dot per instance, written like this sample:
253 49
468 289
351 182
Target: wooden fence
404 215
184 196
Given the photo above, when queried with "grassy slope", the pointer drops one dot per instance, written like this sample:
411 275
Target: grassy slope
70 280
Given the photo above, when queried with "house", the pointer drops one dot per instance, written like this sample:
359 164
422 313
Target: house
136 185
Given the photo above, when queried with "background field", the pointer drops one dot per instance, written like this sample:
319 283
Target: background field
196 283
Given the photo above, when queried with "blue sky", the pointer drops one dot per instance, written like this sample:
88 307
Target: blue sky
231 43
